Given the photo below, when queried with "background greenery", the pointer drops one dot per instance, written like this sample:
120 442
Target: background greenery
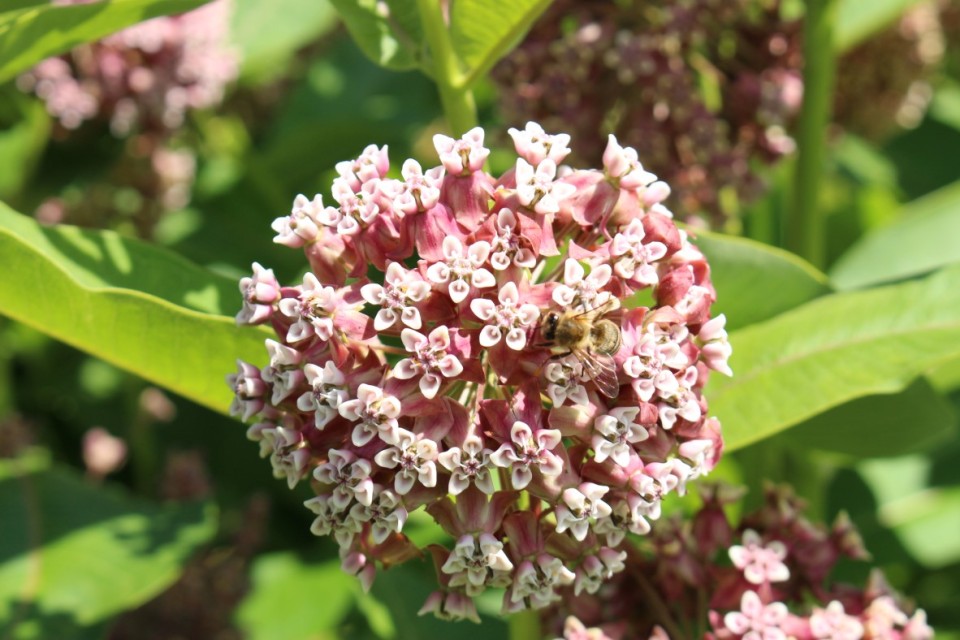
847 377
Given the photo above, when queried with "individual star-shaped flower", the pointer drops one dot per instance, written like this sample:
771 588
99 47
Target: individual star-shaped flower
760 563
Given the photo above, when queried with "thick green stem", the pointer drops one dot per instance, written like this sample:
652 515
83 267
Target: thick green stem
456 97
524 625
804 225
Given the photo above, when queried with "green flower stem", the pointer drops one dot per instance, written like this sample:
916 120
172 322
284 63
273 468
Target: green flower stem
524 625
457 98
804 225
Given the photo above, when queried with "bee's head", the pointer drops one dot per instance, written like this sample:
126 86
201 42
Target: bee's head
549 326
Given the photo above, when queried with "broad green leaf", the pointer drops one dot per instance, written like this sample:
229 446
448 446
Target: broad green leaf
139 307
483 31
294 599
73 554
881 425
29 35
268 34
857 20
755 281
924 239
387 31
833 350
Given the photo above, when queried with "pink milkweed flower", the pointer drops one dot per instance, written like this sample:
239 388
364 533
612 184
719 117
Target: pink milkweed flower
349 476
757 621
621 164
537 187
715 350
462 156
536 581
420 191
375 414
580 506
514 240
415 456
326 393
615 432
760 563
462 268
586 290
249 391
302 225
527 451
833 623
398 297
509 317
432 359
535 145
468 464
476 562
288 453
260 293
450 605
634 259
385 515
598 569
371 165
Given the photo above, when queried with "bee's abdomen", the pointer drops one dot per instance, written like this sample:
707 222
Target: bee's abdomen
605 336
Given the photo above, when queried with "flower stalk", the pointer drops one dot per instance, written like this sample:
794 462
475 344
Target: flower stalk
456 96
804 224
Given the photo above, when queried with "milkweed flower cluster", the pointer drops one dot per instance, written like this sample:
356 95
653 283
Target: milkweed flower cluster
766 579
444 351
145 77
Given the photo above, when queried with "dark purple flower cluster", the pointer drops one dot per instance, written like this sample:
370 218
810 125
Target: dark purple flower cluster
701 89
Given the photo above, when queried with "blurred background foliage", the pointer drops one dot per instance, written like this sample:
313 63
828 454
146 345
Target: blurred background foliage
193 538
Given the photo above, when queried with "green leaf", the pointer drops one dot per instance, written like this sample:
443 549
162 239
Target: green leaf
73 554
139 307
16 5
857 20
483 31
924 518
268 34
29 35
945 377
833 350
388 32
755 281
22 144
881 425
924 239
294 599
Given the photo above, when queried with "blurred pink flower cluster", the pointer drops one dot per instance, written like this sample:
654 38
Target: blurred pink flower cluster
143 78
460 344
767 579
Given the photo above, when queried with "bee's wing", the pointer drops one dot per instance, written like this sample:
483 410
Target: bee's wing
611 304
602 370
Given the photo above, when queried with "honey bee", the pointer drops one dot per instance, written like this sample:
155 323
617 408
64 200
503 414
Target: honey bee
591 338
